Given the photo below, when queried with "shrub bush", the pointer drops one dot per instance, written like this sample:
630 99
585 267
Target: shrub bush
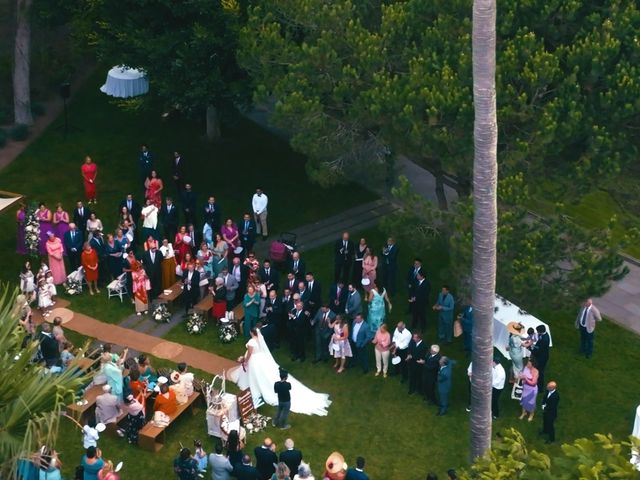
20 132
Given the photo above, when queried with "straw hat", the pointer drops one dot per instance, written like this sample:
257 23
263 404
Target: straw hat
515 328
335 463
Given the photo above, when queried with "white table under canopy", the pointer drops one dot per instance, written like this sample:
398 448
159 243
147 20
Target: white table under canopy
506 312
125 82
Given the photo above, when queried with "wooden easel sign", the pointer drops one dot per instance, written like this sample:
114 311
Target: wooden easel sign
245 404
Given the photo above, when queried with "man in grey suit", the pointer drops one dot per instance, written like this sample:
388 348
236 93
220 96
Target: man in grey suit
231 285
586 323
361 337
220 466
322 332
444 383
354 303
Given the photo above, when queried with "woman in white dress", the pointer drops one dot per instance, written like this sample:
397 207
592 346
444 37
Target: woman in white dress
259 371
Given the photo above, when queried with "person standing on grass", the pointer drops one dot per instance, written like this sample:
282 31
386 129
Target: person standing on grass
259 203
145 162
498 378
550 411
358 472
444 306
586 323
89 172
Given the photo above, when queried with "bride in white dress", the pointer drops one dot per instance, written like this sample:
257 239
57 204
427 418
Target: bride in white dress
260 372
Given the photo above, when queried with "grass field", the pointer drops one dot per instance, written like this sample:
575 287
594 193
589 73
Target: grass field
399 435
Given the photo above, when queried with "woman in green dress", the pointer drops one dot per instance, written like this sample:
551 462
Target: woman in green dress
515 349
251 304
220 252
376 313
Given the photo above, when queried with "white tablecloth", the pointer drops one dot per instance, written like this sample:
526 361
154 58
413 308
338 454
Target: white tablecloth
123 82
511 313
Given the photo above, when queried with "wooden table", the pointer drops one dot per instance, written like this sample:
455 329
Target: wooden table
176 291
152 438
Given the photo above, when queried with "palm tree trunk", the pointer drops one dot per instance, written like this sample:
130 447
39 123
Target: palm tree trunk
22 64
485 178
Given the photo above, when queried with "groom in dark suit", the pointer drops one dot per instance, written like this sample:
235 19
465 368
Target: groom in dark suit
152 262
344 254
540 352
191 285
73 241
550 411
300 325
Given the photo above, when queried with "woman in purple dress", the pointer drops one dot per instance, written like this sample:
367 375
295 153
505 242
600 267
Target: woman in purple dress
21 216
44 218
230 234
60 222
529 378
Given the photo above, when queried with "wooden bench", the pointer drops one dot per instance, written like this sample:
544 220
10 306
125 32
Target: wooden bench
176 291
80 412
113 426
204 306
152 438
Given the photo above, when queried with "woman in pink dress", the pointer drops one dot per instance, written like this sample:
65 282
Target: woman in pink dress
60 221
44 219
230 234
21 216
56 261
182 245
154 186
89 172
369 266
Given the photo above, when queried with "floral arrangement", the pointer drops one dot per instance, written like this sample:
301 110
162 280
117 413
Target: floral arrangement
228 333
72 287
32 231
161 313
256 422
196 323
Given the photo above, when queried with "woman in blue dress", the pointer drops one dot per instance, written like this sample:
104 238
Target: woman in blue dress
376 313
114 256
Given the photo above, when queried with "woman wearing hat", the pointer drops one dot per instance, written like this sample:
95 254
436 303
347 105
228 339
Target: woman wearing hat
516 331
135 418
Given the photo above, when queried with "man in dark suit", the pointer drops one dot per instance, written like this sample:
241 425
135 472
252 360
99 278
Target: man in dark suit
80 216
540 353
49 348
246 471
273 312
247 229
240 272
418 302
73 241
265 459
269 276
315 293
286 306
360 338
415 362
303 292
338 297
191 284
145 163
291 282
390 265
98 244
300 326
152 262
188 198
211 214
353 305
344 253
412 274
178 169
169 218
445 381
297 266
322 332
358 472
430 374
291 457
550 411
132 205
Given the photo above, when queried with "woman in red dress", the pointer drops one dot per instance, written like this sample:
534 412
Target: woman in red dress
89 172
89 260
182 245
154 186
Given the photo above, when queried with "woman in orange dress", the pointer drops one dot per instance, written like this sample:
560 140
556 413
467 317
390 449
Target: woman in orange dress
166 400
140 285
89 260
154 186
89 172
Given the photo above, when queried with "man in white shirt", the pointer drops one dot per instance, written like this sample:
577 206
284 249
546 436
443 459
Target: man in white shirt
400 348
498 378
259 203
150 220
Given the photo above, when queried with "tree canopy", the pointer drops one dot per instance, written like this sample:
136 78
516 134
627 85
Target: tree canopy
353 78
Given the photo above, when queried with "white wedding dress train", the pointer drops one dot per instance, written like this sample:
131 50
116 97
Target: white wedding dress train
262 372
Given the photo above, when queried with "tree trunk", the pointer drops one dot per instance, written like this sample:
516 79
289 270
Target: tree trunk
213 124
440 193
22 64
485 177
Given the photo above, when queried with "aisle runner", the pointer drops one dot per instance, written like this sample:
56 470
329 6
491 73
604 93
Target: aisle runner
142 342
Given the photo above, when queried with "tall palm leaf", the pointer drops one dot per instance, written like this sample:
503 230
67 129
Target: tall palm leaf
31 399
485 177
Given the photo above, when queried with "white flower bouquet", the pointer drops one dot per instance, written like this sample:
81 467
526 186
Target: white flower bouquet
256 422
72 287
32 231
161 313
228 333
196 324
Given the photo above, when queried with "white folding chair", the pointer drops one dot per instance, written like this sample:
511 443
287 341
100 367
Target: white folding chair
118 287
